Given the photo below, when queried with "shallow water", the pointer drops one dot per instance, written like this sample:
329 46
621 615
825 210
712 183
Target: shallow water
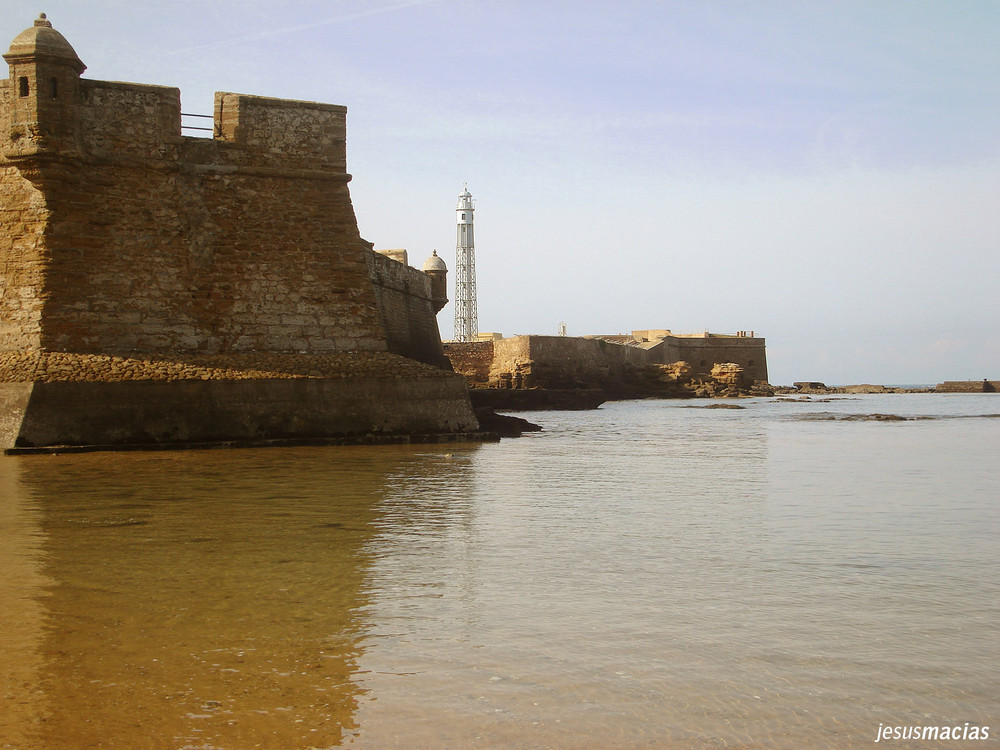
651 574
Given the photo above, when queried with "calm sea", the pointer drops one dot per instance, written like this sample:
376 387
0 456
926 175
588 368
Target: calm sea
652 574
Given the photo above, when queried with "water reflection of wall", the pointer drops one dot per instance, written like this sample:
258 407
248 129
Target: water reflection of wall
640 486
518 586
424 540
203 598
23 584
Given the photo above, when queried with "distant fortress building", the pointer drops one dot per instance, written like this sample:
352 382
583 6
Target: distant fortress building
489 360
569 362
158 288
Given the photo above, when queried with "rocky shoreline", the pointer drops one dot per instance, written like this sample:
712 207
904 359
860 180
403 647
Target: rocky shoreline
651 381
662 384
821 389
949 386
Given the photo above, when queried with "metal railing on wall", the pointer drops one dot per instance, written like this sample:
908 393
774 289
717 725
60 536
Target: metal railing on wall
196 127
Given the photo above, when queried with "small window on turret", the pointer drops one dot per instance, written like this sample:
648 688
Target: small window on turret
23 83
55 88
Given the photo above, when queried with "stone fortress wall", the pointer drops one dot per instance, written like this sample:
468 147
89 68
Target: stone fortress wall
408 305
702 351
155 242
561 362
968 386
124 241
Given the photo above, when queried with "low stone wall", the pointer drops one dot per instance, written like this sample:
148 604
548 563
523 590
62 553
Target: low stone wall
558 362
616 370
574 362
968 386
569 362
471 358
52 399
214 411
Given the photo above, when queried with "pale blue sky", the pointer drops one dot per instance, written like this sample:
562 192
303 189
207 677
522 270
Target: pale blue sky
824 173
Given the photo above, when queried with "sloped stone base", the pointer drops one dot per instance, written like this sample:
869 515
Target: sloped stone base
144 412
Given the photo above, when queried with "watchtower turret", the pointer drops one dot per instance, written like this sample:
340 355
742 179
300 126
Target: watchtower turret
45 79
438 271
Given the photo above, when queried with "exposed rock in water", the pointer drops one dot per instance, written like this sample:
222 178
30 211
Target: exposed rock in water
820 388
504 425
809 386
874 418
826 417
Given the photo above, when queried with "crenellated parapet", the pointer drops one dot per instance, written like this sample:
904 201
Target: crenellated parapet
120 122
281 133
50 111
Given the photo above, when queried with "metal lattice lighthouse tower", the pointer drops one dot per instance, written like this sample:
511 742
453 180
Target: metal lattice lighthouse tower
466 320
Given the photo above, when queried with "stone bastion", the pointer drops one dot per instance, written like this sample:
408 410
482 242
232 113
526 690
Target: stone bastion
161 289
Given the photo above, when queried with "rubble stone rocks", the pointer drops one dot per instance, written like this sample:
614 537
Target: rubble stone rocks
47 367
728 373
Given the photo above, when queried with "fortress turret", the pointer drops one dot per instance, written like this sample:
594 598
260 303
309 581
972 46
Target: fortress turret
45 88
438 271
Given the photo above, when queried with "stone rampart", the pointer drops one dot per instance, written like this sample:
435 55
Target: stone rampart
126 240
154 242
617 367
559 362
406 309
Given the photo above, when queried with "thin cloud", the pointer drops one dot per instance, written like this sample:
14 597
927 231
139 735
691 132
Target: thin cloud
305 26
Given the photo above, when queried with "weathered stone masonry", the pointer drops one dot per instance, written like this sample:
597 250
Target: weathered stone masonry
123 240
567 362
408 306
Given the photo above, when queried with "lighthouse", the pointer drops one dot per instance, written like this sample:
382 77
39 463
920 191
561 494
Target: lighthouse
466 321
